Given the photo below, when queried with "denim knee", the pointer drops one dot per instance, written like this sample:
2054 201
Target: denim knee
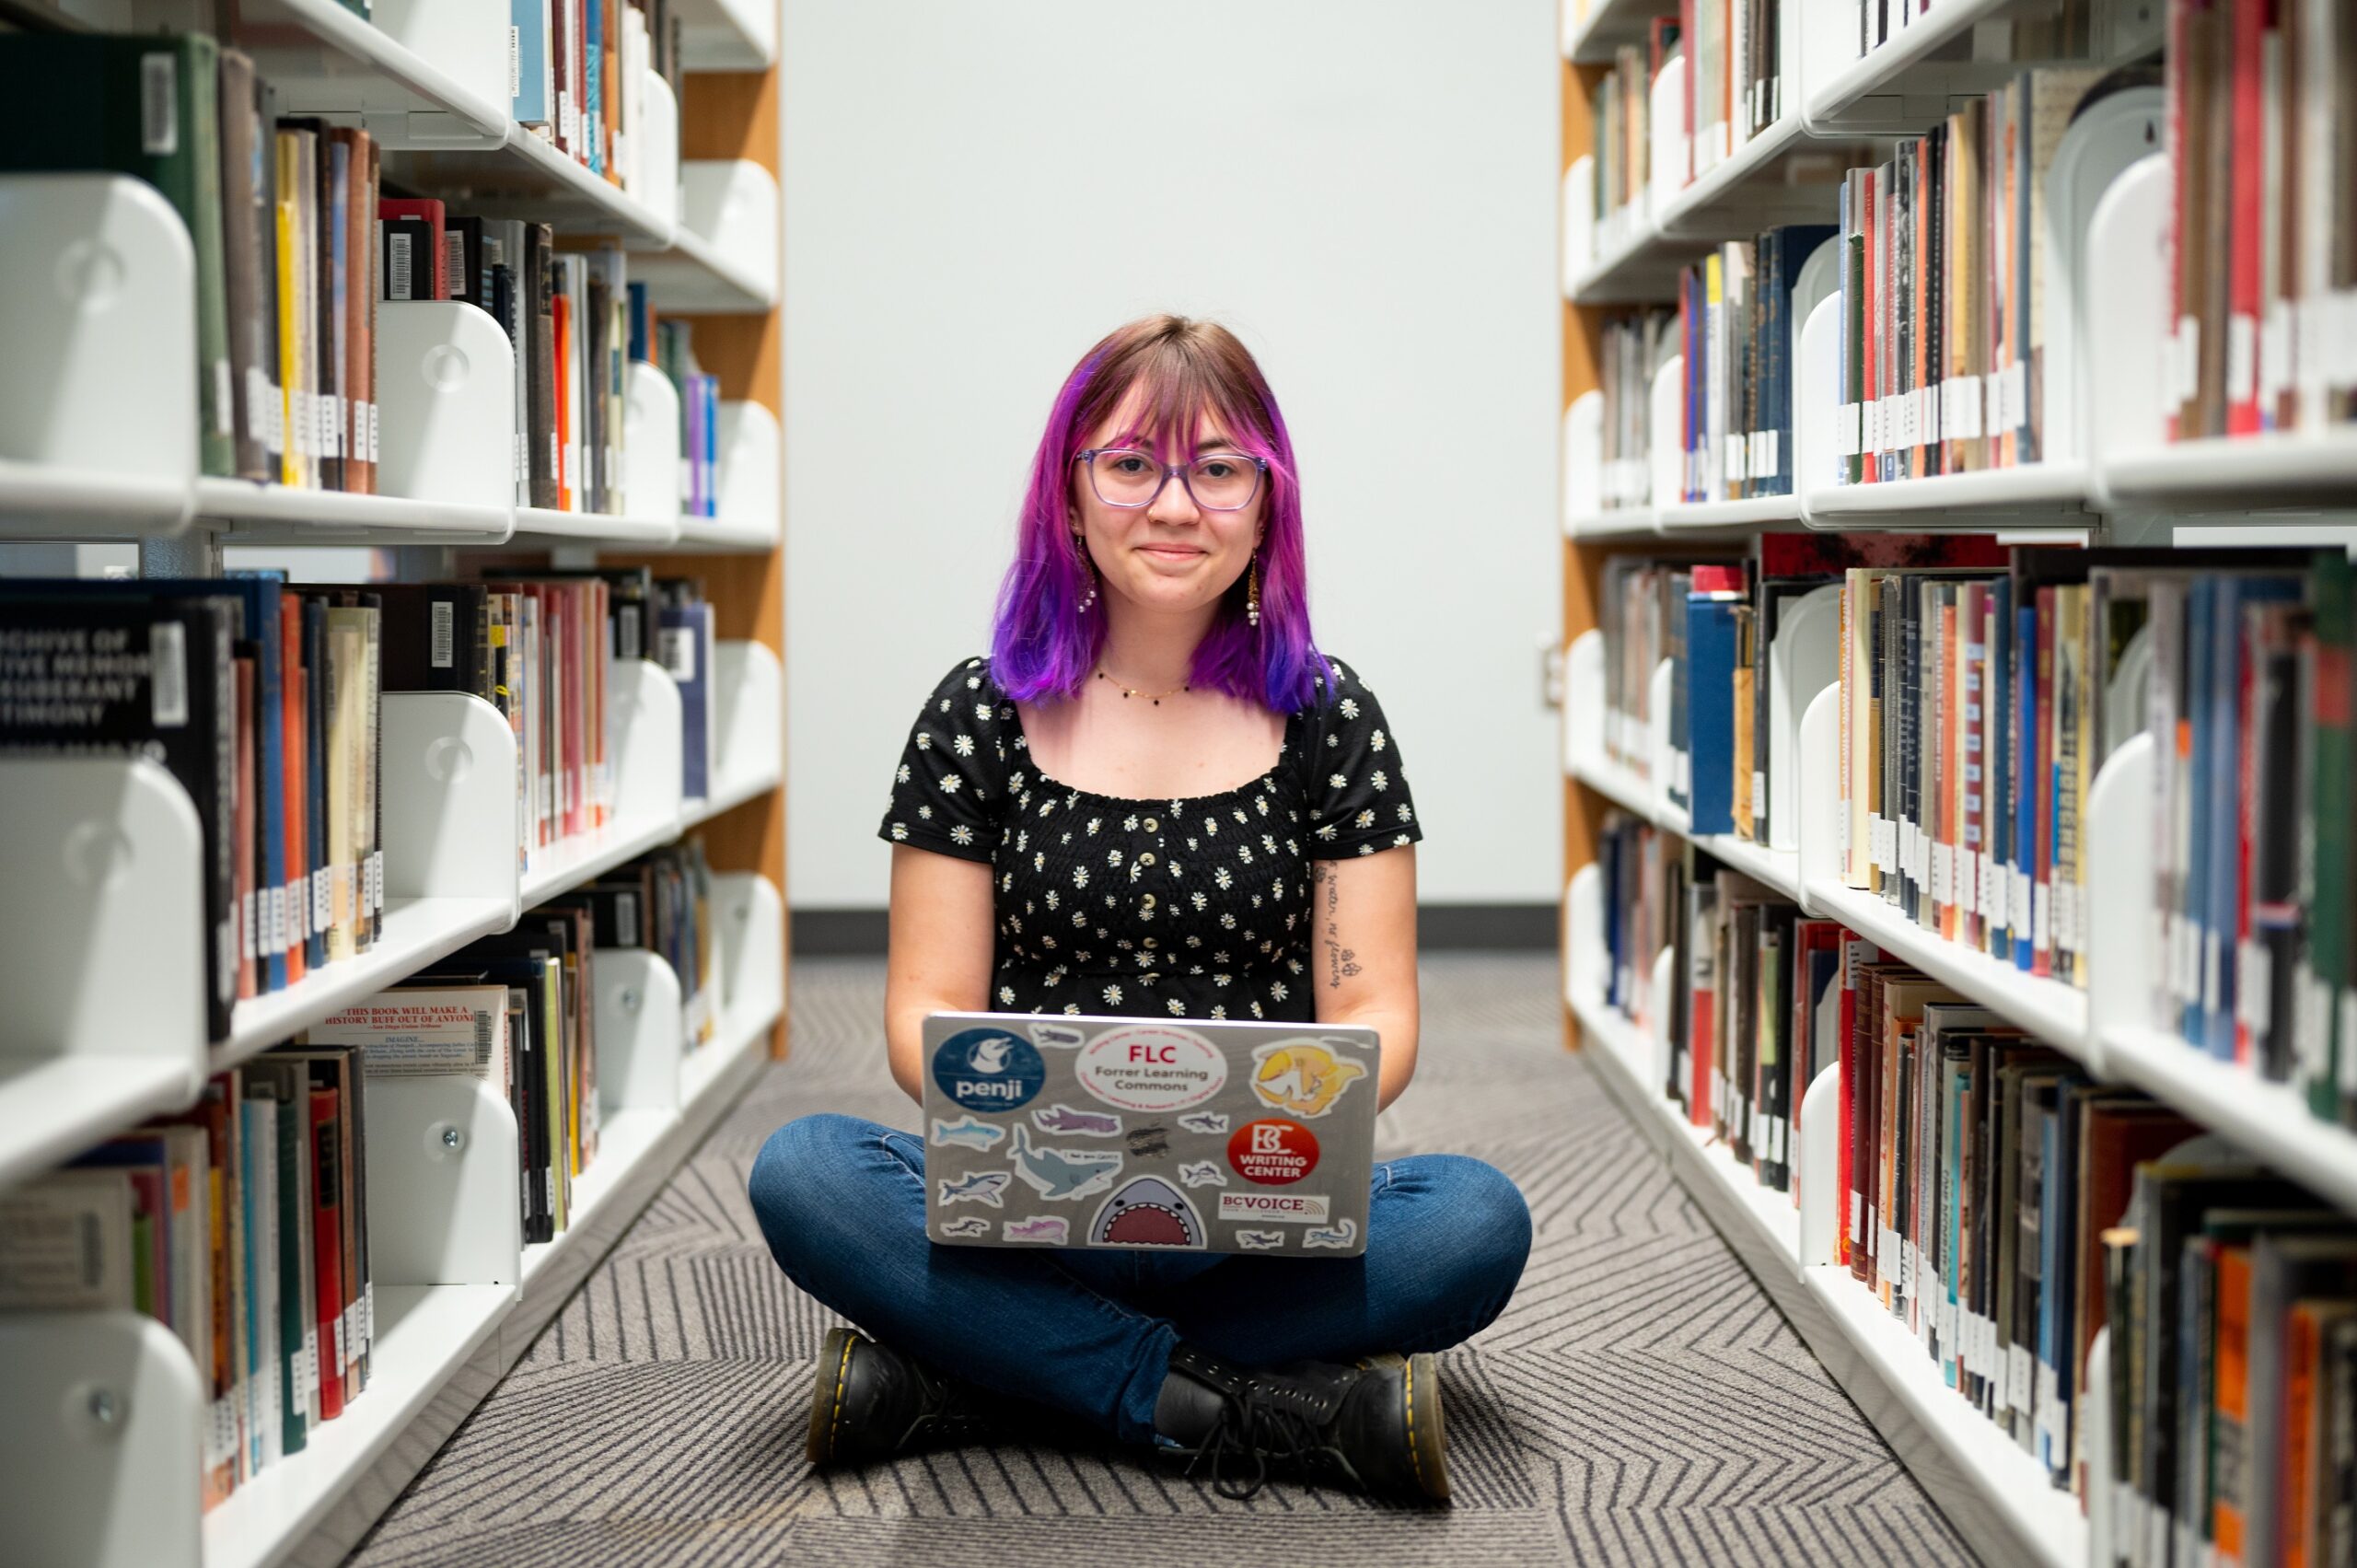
1489 1234
792 1178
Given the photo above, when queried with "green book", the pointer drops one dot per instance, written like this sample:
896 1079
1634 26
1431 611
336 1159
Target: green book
2328 924
146 106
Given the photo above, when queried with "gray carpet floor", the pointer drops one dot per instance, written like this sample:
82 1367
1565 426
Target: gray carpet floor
1641 1401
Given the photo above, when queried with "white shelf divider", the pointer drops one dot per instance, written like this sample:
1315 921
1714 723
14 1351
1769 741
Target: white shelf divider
651 463
727 35
747 707
723 254
412 72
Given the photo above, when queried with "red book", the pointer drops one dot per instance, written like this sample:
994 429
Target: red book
2246 191
391 207
326 1247
563 322
1863 1072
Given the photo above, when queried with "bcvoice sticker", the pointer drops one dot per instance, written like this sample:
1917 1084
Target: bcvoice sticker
1260 1208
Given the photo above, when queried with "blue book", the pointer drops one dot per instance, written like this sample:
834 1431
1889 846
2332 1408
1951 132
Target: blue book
1782 253
532 101
593 90
2230 669
2193 902
1709 697
2024 748
640 315
685 633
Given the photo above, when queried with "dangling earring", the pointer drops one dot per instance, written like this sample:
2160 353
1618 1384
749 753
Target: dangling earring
1252 590
1090 566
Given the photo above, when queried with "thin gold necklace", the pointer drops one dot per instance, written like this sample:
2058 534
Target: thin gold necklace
1155 698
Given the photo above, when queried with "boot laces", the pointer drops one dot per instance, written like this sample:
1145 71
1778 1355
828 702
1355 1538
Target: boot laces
1256 1429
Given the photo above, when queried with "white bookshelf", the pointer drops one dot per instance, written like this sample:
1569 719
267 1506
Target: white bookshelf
108 850
1589 30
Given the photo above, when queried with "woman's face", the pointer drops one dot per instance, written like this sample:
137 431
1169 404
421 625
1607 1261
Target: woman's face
1171 555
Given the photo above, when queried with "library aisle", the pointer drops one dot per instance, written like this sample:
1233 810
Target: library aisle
1642 1401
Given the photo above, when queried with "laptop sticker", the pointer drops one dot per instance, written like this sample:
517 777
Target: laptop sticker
1339 1237
1059 1037
1149 1212
1272 1152
1151 1067
1063 1173
1301 1078
1063 1118
1261 1240
1053 1230
1204 1121
988 1070
1203 1173
1291 1208
967 1132
1149 1143
982 1187
966 1225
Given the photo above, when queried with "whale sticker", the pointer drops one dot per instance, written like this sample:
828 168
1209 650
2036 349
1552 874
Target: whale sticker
967 1132
1339 1237
1063 1173
966 1225
1203 1173
1301 1078
1063 1118
1050 1229
1260 1241
1151 1067
988 1070
1149 1212
1204 1121
982 1187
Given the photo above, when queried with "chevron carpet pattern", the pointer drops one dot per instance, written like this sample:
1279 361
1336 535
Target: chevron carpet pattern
1639 1402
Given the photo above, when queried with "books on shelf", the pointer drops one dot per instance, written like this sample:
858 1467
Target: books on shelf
1631 352
698 391
575 66
1734 74
242 1227
1738 330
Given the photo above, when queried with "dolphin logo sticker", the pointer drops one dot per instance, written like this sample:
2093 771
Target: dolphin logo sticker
1339 1237
1301 1077
1084 1124
1203 1173
1052 1229
967 1132
1149 1212
1063 1173
968 1224
1261 1240
982 1187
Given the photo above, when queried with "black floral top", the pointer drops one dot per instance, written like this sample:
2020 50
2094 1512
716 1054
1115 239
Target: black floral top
1193 908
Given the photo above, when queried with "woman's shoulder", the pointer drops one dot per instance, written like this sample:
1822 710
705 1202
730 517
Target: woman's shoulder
1339 682
968 684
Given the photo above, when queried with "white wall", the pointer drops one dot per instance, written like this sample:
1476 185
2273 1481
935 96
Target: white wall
1394 163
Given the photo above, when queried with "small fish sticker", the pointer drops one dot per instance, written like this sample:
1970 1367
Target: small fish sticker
1260 1241
1338 1237
1063 1118
982 1187
1054 1230
971 1132
1204 1121
968 1224
1203 1173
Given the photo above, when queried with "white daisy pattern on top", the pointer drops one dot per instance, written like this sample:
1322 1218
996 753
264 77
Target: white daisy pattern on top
966 787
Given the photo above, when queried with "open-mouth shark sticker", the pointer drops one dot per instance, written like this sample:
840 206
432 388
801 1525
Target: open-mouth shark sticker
1052 1230
1064 1120
1302 1077
1149 1212
1260 1241
1063 1173
988 1070
967 1132
966 1225
982 1187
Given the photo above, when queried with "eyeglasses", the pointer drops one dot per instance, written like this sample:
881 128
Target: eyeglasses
1125 477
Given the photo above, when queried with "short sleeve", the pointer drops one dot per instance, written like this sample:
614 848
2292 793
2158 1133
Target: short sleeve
1358 797
946 793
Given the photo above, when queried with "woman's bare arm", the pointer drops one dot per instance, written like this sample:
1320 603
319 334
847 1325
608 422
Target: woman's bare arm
1363 953
940 956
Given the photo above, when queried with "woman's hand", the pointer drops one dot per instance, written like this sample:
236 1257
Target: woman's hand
1363 953
940 952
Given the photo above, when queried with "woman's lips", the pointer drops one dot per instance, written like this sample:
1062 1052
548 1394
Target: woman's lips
1170 551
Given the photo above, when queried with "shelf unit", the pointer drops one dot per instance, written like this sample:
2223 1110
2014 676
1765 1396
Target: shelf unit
459 1297
2109 474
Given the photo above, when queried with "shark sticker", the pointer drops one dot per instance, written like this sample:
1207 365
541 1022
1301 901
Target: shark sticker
1063 1173
1203 1173
1301 1078
1340 1238
966 1225
1063 1118
1149 1212
1052 1230
1151 1067
1272 1152
967 1132
1057 1037
988 1070
982 1187
1204 1121
1260 1241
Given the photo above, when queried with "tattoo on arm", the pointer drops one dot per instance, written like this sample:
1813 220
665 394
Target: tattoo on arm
1340 960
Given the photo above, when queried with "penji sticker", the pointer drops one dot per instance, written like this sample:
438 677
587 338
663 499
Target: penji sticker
1048 1230
1272 1152
1301 1078
988 1070
1151 1067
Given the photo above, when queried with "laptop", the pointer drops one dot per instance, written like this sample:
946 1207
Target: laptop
1052 1130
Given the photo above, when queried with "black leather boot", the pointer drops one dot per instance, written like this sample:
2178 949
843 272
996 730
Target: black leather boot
870 1402
1375 1425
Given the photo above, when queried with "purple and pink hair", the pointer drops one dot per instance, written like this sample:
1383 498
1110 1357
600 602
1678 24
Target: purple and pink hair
1043 645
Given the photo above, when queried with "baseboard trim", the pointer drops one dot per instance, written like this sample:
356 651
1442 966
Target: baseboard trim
845 932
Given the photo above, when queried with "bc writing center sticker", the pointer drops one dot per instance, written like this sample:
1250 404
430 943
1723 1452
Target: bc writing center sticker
1151 1067
1272 1152
988 1070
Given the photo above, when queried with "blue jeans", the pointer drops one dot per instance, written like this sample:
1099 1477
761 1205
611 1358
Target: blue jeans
841 1202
